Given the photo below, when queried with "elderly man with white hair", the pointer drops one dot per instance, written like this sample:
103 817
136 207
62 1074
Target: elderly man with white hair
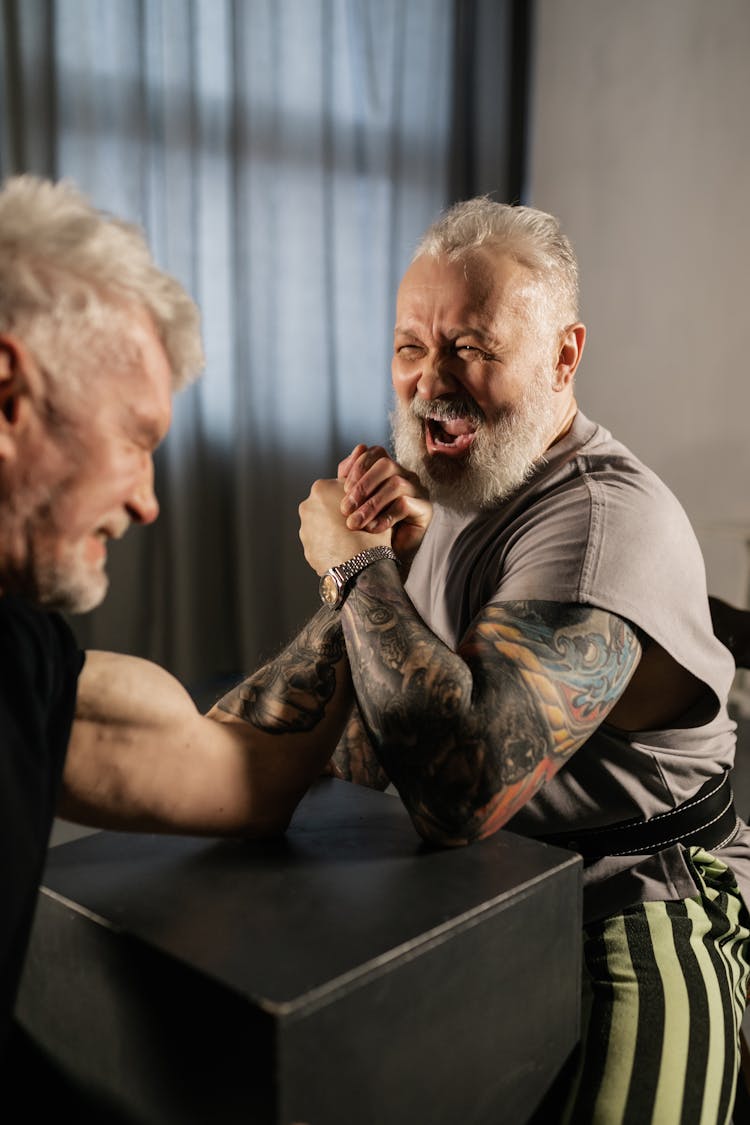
94 341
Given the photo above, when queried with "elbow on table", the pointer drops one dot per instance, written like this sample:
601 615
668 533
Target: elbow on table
456 828
267 814
268 823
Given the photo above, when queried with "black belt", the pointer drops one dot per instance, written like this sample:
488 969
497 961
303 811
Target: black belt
708 820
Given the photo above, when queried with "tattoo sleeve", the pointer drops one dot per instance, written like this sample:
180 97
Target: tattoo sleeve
290 693
355 759
468 737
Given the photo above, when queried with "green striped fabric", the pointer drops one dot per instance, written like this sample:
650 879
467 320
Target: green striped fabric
665 987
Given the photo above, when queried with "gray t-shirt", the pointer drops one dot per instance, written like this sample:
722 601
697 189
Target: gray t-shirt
594 526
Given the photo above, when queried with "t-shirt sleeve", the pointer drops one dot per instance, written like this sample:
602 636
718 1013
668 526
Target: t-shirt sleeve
620 541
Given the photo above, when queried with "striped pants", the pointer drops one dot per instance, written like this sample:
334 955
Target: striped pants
664 993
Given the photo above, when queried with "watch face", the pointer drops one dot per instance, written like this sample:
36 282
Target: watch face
329 590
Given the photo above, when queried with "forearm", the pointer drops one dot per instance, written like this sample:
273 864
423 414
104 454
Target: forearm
292 693
469 737
142 757
354 758
295 706
415 699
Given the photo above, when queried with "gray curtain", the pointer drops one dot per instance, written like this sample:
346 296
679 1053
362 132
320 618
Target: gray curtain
283 157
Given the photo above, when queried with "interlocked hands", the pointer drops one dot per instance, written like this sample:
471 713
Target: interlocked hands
372 501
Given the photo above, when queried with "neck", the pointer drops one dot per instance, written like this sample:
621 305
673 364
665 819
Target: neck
566 422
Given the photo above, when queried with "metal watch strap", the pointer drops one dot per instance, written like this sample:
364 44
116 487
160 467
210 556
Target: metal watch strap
354 566
337 580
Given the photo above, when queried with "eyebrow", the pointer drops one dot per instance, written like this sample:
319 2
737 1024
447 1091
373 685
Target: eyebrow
483 338
148 429
451 334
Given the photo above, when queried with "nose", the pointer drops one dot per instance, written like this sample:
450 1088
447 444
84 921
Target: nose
430 377
435 378
142 504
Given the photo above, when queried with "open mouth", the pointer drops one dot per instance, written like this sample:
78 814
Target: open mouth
451 437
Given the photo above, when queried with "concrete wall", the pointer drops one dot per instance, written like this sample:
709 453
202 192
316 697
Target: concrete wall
641 144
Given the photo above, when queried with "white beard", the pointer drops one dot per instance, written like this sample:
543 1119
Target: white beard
37 562
503 455
53 574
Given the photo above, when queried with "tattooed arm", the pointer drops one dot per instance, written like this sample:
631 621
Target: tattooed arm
354 758
142 757
468 737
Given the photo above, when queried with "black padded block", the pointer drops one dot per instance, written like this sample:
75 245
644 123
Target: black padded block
346 974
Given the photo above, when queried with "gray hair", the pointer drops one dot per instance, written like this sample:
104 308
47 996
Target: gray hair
67 267
532 237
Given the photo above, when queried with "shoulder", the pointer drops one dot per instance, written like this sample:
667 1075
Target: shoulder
38 652
20 618
601 502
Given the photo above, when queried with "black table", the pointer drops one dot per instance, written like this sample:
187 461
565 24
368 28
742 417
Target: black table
344 974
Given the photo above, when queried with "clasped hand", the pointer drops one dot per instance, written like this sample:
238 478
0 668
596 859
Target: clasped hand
372 501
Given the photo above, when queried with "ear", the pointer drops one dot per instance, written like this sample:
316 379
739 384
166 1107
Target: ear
14 391
569 355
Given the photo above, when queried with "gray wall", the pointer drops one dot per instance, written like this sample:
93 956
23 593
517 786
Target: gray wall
641 144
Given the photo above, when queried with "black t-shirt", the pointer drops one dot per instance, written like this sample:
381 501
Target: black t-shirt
39 668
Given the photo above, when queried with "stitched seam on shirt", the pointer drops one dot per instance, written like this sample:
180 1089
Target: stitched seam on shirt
591 557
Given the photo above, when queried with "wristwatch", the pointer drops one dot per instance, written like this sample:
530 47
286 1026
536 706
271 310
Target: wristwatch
338 580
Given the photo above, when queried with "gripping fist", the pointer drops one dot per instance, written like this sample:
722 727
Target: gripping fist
379 495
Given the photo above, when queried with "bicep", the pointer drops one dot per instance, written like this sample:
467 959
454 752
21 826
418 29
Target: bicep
141 756
126 695
571 663
545 676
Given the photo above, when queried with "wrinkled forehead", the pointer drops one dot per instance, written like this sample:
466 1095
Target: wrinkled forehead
485 283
